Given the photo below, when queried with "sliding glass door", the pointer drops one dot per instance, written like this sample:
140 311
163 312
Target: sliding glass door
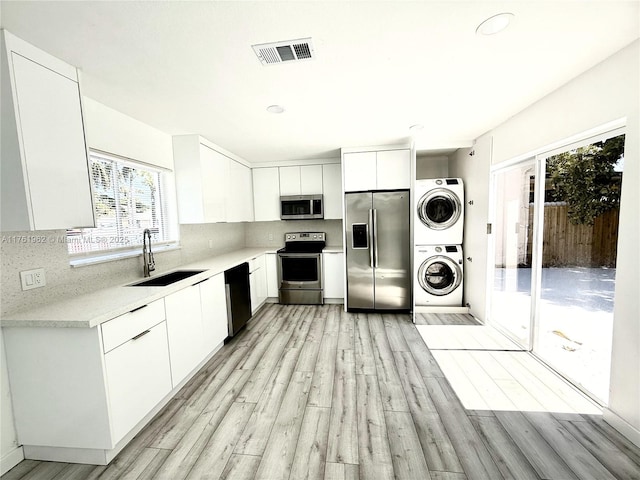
513 194
554 257
574 326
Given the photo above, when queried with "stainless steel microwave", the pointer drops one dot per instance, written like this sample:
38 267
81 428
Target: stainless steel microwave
301 207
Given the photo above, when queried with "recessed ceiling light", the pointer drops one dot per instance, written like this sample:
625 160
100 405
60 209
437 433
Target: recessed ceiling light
275 109
495 24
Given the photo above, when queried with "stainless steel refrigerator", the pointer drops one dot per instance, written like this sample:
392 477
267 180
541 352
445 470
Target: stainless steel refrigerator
378 250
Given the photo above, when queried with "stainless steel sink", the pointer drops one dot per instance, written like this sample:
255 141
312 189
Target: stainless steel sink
167 278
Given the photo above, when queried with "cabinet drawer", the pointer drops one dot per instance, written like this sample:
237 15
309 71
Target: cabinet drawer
123 328
256 263
138 378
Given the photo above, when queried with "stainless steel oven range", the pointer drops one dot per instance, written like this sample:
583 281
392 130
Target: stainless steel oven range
300 268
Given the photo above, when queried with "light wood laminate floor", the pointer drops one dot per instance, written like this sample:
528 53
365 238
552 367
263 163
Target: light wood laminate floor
310 392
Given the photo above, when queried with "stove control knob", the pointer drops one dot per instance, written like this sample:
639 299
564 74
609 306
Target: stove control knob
288 237
315 236
293 237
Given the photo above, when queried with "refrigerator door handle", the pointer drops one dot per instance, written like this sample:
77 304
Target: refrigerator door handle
371 238
375 237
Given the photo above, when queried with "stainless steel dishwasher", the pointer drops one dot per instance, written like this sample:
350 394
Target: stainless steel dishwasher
238 292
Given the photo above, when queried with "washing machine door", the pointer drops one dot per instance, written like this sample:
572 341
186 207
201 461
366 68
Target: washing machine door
439 275
439 209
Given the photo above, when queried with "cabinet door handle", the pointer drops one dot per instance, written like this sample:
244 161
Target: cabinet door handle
139 308
141 335
201 281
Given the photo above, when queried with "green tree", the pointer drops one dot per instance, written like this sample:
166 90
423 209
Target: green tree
586 178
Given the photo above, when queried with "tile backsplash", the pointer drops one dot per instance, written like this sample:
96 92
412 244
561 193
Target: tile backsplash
197 241
64 281
271 234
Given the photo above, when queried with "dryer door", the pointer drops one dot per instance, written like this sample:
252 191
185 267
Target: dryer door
439 209
439 275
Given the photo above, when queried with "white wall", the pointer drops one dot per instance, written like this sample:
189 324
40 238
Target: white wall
474 171
602 95
113 132
429 166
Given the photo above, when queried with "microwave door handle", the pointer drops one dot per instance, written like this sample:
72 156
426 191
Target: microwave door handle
371 239
375 237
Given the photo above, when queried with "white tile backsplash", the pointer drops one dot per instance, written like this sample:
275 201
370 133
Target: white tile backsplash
197 241
19 251
257 233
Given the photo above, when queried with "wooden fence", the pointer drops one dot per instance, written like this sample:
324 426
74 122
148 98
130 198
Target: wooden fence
569 245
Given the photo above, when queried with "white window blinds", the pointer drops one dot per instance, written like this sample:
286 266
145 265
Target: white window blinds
128 197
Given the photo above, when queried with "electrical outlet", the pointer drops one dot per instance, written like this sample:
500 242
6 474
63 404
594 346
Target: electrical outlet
210 243
271 237
33 279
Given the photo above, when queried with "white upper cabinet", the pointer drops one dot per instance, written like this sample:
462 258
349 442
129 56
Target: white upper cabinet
332 190
210 186
289 180
359 171
311 179
266 194
301 180
45 169
271 182
213 180
381 170
393 169
239 193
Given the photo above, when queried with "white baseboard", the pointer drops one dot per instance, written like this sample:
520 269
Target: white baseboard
11 459
622 426
436 309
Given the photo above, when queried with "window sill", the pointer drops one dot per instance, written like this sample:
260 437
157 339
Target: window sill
77 262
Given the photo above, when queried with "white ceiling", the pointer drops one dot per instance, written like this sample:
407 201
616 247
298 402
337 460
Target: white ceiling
188 67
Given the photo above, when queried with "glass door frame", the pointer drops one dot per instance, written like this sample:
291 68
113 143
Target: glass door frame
538 159
496 170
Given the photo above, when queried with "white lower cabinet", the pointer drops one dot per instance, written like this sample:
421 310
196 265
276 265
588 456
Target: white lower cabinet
80 394
138 378
184 329
271 263
333 272
257 282
215 327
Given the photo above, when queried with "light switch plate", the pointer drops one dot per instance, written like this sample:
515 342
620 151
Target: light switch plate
33 279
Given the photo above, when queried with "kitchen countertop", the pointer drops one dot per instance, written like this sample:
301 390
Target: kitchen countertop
92 309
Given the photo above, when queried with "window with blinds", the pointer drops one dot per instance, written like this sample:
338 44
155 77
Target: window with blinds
128 198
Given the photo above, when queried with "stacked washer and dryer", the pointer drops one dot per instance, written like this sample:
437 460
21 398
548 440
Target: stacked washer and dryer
438 230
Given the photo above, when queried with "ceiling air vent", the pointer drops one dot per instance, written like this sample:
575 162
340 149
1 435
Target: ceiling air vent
286 51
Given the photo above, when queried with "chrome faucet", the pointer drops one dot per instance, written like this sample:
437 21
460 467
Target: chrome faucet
147 256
